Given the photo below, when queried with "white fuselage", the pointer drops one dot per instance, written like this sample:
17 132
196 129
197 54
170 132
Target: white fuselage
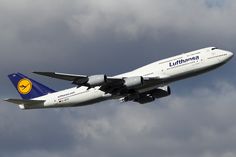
170 69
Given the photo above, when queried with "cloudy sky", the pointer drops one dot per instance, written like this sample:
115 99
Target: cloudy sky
111 37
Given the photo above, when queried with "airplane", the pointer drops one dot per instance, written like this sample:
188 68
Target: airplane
142 85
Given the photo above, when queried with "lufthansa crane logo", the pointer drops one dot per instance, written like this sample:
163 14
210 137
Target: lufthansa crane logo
24 86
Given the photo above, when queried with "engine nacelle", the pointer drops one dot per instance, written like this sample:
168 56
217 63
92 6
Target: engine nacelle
131 97
96 80
161 92
133 82
145 99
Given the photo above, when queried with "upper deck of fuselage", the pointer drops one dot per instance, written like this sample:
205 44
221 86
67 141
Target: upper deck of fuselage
148 68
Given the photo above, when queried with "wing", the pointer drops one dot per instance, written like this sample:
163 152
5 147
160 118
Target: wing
148 96
126 87
62 76
107 84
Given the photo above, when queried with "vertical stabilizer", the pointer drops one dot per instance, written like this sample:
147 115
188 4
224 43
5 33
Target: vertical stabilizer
27 87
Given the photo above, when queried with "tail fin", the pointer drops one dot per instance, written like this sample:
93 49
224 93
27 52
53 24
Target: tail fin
28 88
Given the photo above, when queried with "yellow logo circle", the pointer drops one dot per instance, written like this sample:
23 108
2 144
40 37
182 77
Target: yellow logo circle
24 86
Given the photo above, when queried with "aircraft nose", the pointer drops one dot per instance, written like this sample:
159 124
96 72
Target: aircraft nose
230 54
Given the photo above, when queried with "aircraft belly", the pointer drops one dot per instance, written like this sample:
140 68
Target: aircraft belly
85 98
192 72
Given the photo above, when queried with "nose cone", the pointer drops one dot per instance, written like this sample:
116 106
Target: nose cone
230 54
226 55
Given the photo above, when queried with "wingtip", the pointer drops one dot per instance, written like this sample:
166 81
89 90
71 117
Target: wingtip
42 73
36 72
5 99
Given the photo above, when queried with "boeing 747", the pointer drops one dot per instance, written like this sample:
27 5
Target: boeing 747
142 85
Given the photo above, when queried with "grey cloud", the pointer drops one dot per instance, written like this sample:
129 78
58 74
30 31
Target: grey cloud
136 18
27 131
85 37
200 124
57 33
181 126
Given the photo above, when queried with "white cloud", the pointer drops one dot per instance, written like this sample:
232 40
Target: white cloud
198 124
32 33
133 18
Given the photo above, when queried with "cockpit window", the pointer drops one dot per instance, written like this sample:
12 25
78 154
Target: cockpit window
214 48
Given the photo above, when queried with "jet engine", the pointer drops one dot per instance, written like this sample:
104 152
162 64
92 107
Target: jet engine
144 99
92 81
161 92
133 82
96 80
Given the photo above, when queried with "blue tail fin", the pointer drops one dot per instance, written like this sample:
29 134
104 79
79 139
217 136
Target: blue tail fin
28 88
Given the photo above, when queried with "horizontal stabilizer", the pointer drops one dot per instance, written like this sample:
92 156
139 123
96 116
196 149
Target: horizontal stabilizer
25 102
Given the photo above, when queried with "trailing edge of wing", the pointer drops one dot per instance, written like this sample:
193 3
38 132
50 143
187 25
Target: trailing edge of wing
25 102
73 77
63 76
112 83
